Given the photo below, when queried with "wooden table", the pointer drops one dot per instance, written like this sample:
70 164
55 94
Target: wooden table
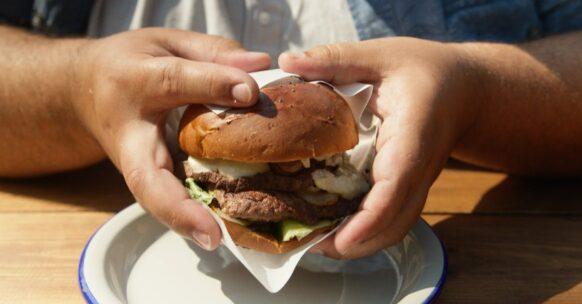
508 240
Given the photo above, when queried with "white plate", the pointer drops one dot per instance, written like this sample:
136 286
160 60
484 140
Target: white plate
134 259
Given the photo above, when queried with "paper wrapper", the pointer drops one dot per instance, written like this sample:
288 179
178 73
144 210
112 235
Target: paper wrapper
274 270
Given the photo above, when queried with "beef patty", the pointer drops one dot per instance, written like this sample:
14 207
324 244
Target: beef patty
275 206
262 181
269 197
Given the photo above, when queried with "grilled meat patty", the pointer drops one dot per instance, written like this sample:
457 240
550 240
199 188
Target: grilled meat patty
269 196
262 181
275 206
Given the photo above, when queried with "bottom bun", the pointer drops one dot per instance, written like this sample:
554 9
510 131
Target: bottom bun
244 237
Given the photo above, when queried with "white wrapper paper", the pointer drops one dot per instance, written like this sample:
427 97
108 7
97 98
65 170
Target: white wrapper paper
274 270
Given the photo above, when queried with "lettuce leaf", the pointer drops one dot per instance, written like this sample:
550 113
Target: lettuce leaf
290 229
198 193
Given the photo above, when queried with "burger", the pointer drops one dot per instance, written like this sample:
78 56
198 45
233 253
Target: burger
277 172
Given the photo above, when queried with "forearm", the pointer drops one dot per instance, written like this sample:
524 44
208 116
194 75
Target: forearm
39 130
529 100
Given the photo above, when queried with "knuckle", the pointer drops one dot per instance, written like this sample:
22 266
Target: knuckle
216 86
224 44
219 45
172 218
135 179
170 79
376 217
114 75
331 52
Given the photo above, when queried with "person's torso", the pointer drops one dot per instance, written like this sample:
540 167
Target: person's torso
269 26
446 20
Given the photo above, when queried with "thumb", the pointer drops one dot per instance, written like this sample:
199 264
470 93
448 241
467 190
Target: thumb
172 82
147 168
335 63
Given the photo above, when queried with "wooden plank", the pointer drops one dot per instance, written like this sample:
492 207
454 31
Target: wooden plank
464 189
39 253
459 189
493 259
98 188
511 259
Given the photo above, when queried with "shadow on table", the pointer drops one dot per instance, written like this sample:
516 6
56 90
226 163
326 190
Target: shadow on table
97 188
521 244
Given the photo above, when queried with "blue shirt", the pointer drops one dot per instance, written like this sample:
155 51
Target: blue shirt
444 20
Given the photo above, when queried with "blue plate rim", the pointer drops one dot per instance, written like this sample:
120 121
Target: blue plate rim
90 298
439 286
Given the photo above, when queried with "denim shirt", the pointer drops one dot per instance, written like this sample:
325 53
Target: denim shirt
466 20
509 21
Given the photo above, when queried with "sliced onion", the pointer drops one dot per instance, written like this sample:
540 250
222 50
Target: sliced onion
346 182
319 198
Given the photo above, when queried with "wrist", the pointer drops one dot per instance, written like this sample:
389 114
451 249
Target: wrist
79 79
75 85
74 81
471 79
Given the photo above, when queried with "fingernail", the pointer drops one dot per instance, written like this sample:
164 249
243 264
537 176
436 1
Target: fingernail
201 239
241 92
295 55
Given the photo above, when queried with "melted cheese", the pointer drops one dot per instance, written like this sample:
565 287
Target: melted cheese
226 167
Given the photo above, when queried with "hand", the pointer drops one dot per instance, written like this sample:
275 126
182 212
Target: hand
128 82
424 97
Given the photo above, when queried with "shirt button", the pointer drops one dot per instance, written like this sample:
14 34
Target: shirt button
264 18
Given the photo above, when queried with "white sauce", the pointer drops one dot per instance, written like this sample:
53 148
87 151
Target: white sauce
334 160
226 167
345 182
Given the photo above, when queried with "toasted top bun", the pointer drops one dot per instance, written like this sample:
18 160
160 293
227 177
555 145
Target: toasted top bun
289 122
244 237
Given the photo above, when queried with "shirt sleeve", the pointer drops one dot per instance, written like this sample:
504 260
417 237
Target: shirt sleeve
560 16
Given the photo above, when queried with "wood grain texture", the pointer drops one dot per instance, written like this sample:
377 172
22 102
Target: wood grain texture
39 253
511 259
463 189
509 240
98 188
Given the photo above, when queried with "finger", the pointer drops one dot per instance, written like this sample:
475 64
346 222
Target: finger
178 81
146 166
209 48
391 235
398 169
378 209
394 233
246 61
335 63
